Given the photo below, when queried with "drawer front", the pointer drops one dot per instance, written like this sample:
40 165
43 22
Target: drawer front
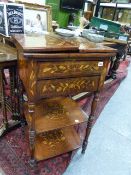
68 68
63 87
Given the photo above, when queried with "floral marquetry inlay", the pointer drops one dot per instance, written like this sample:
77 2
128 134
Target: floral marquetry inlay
68 68
22 68
62 87
32 79
55 111
52 138
67 86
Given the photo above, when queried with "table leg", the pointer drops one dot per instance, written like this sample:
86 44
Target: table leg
13 123
32 133
121 54
4 125
4 78
20 102
115 66
12 91
14 97
90 121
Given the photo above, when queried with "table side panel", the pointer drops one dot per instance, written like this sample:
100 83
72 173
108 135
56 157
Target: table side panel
23 69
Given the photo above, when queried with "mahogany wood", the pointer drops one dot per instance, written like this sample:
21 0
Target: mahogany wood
51 66
67 86
55 43
67 69
90 121
56 113
51 144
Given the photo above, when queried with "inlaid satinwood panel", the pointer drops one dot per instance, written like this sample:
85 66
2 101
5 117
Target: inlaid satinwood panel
69 86
68 68
53 143
56 113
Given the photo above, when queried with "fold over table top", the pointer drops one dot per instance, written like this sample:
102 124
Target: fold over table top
49 43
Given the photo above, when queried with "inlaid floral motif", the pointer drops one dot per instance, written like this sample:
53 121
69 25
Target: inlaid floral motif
66 86
32 79
52 138
48 69
55 111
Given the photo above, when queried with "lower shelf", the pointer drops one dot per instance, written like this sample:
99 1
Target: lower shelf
53 143
55 113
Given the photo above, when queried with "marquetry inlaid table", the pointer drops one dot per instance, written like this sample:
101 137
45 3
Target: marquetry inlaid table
53 69
8 60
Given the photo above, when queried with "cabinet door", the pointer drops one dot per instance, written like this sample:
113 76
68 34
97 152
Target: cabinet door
124 16
108 13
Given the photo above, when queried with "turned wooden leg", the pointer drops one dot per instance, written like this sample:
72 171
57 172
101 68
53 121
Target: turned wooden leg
21 101
115 67
4 78
120 54
32 133
12 89
16 83
90 121
112 59
3 105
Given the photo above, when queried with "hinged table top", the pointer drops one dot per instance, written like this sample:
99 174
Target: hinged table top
55 43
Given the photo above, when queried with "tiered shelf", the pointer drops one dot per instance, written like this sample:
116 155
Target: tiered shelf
53 143
54 125
55 114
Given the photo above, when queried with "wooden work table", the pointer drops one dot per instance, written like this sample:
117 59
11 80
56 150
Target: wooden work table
52 69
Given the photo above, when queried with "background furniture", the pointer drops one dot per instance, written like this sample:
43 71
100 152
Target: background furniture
61 16
53 66
113 37
115 61
111 30
110 26
8 60
120 12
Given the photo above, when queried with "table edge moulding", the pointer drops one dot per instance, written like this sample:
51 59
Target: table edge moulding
53 68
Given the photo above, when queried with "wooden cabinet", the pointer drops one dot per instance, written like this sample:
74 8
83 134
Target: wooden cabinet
52 69
8 60
120 12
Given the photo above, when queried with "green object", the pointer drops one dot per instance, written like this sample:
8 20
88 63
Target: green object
106 25
60 15
112 29
119 36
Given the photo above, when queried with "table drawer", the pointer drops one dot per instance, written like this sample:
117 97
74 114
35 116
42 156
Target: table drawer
63 87
68 68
